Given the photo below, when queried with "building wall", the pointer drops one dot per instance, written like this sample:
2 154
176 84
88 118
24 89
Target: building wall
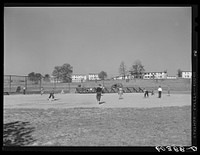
186 74
155 75
93 77
79 78
121 77
171 77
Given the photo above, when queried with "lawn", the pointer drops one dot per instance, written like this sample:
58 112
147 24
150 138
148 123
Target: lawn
97 126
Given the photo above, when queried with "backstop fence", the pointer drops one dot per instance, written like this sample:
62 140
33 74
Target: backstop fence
16 84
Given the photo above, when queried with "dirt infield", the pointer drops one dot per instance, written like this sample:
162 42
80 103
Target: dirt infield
89 100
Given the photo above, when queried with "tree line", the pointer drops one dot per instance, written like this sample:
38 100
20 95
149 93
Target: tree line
64 72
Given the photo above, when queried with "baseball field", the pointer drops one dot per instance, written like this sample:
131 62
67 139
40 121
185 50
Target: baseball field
78 120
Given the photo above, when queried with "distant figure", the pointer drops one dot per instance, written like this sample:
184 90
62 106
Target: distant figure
152 92
159 91
99 92
146 93
120 92
51 94
18 89
168 91
62 91
24 90
42 91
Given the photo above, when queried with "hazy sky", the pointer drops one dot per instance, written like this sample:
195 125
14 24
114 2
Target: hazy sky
92 39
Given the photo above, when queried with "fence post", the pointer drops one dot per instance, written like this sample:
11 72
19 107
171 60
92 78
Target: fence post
10 84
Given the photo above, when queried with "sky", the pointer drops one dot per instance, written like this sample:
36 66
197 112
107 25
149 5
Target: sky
94 39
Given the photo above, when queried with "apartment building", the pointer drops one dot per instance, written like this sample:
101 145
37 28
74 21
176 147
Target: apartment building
93 76
79 78
186 74
155 75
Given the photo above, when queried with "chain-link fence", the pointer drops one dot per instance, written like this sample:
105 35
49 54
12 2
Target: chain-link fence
22 84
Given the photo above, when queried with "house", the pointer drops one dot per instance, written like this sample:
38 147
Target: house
171 77
186 74
155 75
79 78
93 76
122 77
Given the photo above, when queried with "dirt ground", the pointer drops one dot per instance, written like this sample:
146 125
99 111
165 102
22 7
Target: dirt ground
77 120
134 100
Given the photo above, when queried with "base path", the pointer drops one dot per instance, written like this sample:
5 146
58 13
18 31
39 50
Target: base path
89 100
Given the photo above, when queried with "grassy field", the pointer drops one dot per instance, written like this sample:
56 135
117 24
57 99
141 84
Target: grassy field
98 127
77 120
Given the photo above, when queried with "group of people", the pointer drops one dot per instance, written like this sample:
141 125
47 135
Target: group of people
120 92
146 92
99 91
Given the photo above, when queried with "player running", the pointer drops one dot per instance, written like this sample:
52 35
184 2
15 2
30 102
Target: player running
51 94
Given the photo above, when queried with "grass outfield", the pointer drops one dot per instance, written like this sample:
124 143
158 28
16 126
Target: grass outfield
99 127
77 120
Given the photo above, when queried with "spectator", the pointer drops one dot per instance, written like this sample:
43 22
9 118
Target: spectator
159 91
24 90
99 92
146 93
42 91
120 92
168 91
152 92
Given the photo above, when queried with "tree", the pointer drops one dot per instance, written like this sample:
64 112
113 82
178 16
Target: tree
31 76
137 69
122 70
66 71
35 77
57 72
47 77
179 73
102 75
63 72
38 76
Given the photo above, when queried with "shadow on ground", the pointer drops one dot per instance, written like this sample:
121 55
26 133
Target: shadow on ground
17 134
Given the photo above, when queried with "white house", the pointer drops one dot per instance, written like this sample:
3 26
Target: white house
155 75
171 77
186 74
122 77
79 78
93 76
